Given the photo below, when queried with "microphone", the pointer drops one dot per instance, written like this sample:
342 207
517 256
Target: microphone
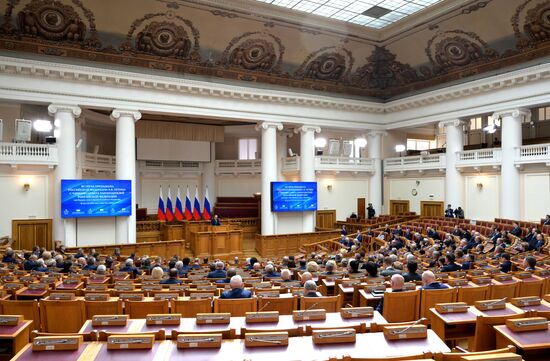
313 305
423 319
496 302
264 306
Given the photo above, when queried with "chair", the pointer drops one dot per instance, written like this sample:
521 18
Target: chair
190 308
457 356
328 303
236 306
401 306
508 290
530 288
62 316
429 298
93 308
140 309
28 309
285 305
485 336
471 294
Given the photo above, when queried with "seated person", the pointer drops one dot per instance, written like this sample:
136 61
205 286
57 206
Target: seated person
157 273
9 257
215 220
40 266
353 215
302 266
286 275
306 276
411 275
506 264
270 271
30 262
450 265
218 272
344 231
330 266
90 264
172 278
237 289
536 243
468 264
516 231
372 269
529 263
397 282
101 269
547 220
310 289
429 282
389 270
129 267
353 266
230 273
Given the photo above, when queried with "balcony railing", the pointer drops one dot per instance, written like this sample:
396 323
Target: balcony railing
420 162
98 162
344 164
291 164
252 166
20 153
537 153
479 157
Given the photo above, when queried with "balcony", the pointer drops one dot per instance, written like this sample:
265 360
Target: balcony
331 164
415 163
479 158
529 154
16 154
97 163
253 166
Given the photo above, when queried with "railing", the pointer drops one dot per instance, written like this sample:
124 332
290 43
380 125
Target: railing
173 165
344 164
291 164
98 162
238 166
19 153
533 154
420 162
478 157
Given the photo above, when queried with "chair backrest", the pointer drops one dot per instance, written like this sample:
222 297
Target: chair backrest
328 303
62 316
530 288
285 305
140 309
28 309
235 306
485 335
472 294
429 298
508 290
401 306
457 356
93 308
190 308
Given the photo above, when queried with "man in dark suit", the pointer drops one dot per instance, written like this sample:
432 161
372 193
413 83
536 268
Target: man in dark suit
397 282
516 231
468 264
536 242
450 265
310 289
237 289
9 257
218 272
429 282
215 220
530 263
270 271
449 212
506 264
172 278
411 275
370 211
230 273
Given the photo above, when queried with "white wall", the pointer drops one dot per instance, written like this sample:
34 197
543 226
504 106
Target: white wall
18 204
95 231
536 196
343 196
176 150
429 189
239 186
482 202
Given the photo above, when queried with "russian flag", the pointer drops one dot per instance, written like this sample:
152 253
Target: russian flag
169 208
197 206
178 212
188 213
160 211
206 213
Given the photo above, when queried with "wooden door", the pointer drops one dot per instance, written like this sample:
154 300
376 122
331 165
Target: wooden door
28 233
325 219
432 209
398 207
361 207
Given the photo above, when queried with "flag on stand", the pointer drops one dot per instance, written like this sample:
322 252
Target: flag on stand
178 212
206 213
197 206
160 211
188 212
169 208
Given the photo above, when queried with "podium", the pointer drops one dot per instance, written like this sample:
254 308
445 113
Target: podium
217 242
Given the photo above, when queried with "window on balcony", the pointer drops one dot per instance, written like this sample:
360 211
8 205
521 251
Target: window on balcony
476 123
248 148
421 144
544 113
491 121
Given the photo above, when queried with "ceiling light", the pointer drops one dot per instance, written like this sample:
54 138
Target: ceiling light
399 148
320 142
361 142
42 126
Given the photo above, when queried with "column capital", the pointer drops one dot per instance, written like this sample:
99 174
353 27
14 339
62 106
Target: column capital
117 113
307 128
68 108
376 133
267 125
451 123
514 113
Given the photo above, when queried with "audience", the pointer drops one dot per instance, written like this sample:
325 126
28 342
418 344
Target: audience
396 282
237 289
429 282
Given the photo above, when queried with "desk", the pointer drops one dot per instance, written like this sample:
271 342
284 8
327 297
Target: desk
367 345
533 345
27 294
14 338
454 326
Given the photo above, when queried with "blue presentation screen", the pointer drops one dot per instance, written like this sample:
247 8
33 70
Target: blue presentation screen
293 196
95 198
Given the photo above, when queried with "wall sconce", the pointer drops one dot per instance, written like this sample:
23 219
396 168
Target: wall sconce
417 183
26 187
329 187
479 186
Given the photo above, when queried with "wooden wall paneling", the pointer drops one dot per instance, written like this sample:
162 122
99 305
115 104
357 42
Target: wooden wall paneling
28 233
432 208
325 219
399 206
361 208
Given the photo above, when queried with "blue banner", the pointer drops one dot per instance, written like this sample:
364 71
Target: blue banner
293 196
95 198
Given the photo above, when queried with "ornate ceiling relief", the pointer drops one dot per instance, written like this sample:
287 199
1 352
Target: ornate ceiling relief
257 51
328 63
534 18
382 71
51 20
457 48
165 35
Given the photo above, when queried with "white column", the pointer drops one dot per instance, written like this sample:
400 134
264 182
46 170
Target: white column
374 149
454 183
269 172
510 121
307 167
209 178
64 229
126 168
